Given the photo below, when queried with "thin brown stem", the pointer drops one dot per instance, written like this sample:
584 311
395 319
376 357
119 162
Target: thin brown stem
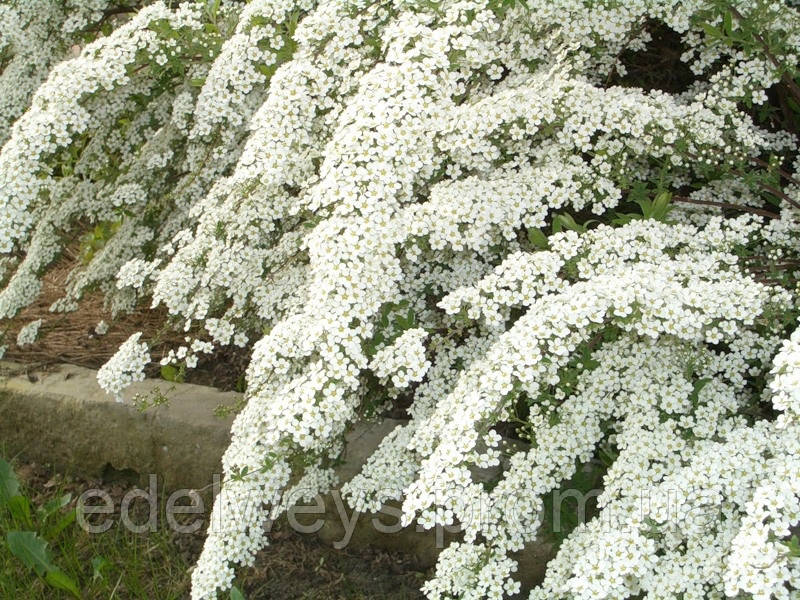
785 174
764 186
781 266
109 13
789 81
119 10
779 194
740 207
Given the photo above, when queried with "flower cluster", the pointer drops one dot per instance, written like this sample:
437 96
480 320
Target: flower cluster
28 334
404 361
444 206
101 328
34 36
125 367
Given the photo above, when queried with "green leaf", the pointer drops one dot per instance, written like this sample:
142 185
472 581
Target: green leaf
792 104
65 521
537 238
793 545
625 218
20 510
99 563
661 206
647 207
60 581
240 474
212 9
639 191
9 484
698 387
54 505
565 220
236 594
241 383
402 323
169 373
711 31
727 23
31 550
267 70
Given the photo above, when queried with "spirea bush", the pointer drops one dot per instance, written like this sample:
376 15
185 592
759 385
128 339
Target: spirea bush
460 208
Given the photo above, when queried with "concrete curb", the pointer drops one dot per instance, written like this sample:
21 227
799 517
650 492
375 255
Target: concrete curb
59 415
62 417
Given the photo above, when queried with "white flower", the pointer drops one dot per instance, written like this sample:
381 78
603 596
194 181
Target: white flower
404 360
125 367
28 334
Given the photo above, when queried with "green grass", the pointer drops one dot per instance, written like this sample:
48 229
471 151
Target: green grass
115 564
122 565
138 567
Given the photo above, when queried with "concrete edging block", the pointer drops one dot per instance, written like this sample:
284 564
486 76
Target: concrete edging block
59 415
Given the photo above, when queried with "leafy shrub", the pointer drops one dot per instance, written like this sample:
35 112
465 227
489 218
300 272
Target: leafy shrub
446 206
